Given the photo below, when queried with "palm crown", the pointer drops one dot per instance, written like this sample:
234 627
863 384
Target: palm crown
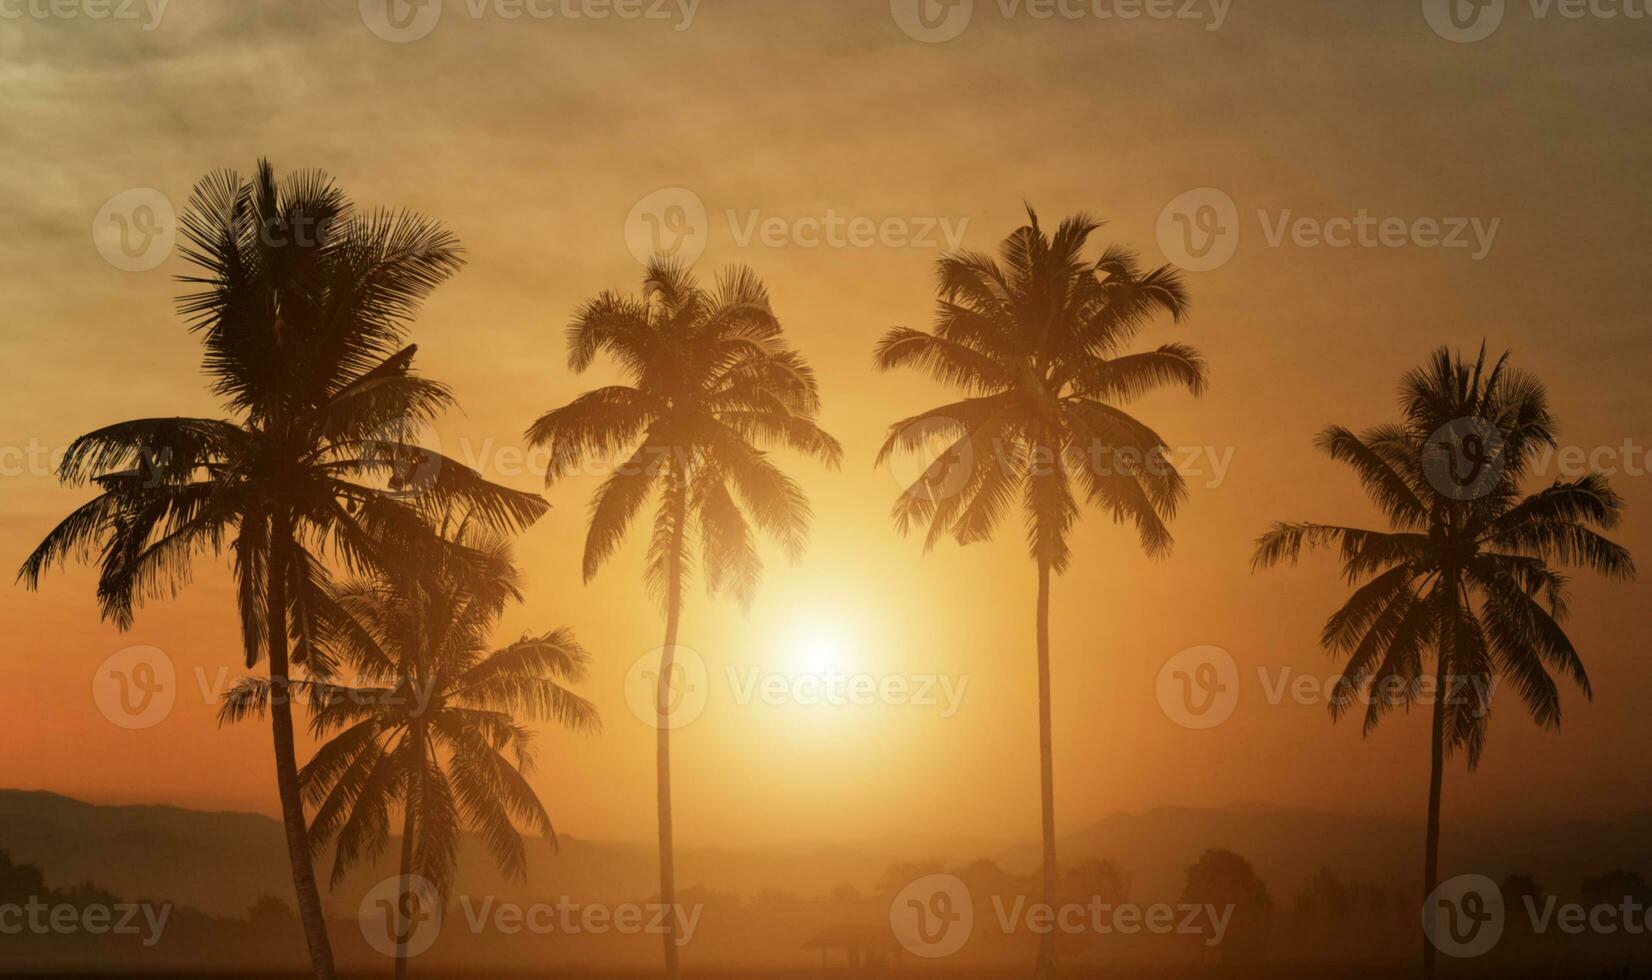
302 308
1036 339
710 384
433 719
1469 567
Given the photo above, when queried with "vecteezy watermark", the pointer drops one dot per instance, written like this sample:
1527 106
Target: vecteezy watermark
36 458
938 463
1200 230
1464 916
1201 687
401 916
1467 916
677 695
1463 459
39 917
1627 458
663 695
138 687
833 230
136 229
830 687
935 917
568 918
135 688
935 21
1468 21
405 21
404 916
147 14
673 223
668 223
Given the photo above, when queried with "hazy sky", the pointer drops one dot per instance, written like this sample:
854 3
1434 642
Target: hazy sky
534 138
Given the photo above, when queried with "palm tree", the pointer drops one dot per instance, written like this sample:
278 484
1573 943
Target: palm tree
302 304
710 380
432 724
1468 571
1035 340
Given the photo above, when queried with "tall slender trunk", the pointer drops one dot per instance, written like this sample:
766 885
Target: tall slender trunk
668 656
286 759
415 795
407 871
1431 858
1436 778
1046 765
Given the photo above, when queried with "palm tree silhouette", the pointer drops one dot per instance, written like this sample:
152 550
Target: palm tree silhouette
430 721
710 381
1034 340
1467 571
302 305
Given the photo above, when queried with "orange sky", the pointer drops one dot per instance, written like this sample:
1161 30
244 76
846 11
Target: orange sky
534 139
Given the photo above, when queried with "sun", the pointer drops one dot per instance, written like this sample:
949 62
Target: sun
822 646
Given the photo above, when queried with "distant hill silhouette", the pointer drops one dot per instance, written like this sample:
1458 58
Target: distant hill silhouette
1285 844
222 862
1288 844
217 862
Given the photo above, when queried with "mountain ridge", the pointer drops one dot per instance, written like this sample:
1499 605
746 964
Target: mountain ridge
222 861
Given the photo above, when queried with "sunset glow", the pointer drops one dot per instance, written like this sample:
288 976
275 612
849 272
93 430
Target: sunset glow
825 471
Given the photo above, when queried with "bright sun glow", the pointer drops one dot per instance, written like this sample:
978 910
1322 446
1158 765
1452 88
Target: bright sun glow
822 647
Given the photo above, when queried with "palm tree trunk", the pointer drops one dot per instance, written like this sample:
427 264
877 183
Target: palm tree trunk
673 617
415 796
1431 858
286 759
1046 765
1436 777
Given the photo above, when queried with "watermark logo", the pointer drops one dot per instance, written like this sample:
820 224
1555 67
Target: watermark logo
136 687
935 21
930 460
405 21
932 21
831 688
1464 21
834 230
566 918
1464 916
401 21
933 916
401 916
670 223
1463 459
38 917
1199 230
671 698
409 454
673 223
1199 687
136 229
147 13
